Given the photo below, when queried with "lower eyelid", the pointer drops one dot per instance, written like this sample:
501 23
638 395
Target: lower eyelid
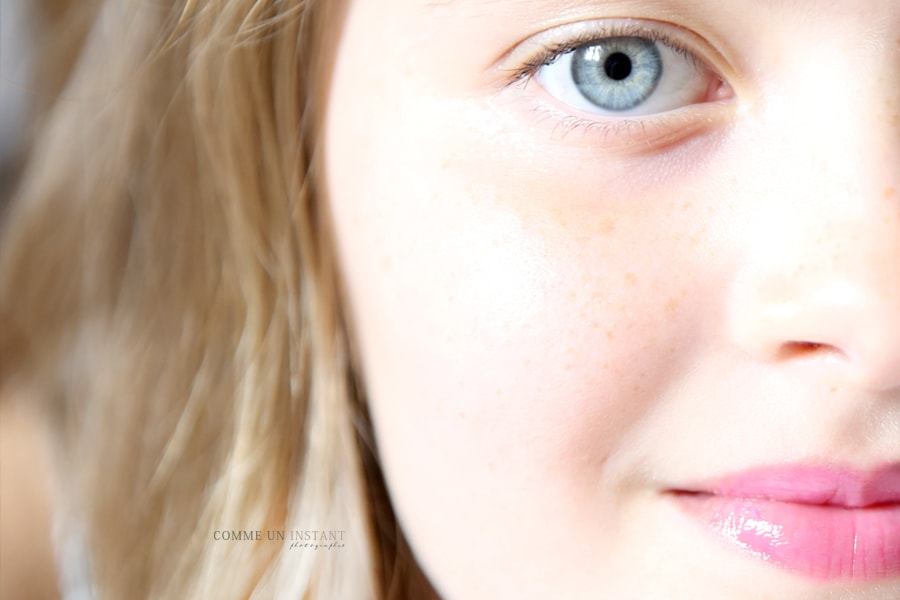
622 135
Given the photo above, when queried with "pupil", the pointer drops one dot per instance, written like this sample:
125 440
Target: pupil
617 66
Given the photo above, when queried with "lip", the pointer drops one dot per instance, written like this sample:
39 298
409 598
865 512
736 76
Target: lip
821 523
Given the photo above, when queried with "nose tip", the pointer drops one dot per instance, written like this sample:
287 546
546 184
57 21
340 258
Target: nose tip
843 331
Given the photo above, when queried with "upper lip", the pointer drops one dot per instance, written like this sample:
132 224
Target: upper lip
813 485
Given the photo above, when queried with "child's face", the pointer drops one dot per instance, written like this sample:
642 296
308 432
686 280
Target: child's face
665 259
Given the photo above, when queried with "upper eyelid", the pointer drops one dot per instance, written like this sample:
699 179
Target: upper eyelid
521 61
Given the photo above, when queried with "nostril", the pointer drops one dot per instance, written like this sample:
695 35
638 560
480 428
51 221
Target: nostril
803 349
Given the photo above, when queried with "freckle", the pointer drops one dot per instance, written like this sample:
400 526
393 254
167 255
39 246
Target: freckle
609 334
607 226
386 262
630 279
672 305
890 192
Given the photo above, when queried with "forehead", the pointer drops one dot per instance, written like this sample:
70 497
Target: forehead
485 30
538 4
488 28
876 10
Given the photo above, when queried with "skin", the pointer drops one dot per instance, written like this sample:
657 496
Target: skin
559 325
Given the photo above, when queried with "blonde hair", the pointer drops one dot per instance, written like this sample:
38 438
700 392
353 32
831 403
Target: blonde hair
167 285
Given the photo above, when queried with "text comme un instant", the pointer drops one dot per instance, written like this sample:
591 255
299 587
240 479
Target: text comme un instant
296 535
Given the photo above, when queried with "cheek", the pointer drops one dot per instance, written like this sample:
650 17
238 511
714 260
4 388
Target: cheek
510 319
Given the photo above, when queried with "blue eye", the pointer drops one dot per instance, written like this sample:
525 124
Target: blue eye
625 76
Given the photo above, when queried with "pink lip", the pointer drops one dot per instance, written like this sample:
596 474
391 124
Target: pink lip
821 523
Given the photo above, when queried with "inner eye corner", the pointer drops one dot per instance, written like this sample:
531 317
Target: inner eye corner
719 89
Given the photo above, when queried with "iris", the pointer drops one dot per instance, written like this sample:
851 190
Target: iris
617 73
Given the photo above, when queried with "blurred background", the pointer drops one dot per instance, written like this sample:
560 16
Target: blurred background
15 69
27 566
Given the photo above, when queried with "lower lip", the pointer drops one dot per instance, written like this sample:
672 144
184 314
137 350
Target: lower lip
821 542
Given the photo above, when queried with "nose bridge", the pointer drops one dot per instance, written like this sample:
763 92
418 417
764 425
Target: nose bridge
822 273
841 117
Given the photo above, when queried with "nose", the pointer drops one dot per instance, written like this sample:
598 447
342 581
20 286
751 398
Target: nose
847 324
819 282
